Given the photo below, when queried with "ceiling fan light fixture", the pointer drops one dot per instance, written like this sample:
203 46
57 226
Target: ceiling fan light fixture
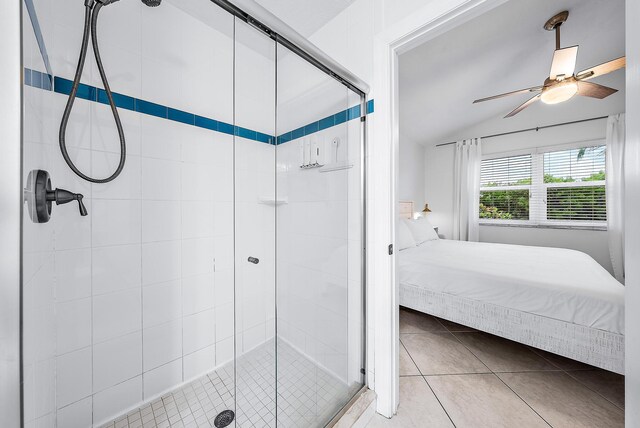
558 93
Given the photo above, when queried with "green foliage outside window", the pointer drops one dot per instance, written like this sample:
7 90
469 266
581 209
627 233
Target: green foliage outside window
505 204
597 176
576 203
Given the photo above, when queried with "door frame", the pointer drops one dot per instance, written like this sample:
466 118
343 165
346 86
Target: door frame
422 25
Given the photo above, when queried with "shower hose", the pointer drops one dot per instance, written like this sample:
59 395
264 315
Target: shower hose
90 24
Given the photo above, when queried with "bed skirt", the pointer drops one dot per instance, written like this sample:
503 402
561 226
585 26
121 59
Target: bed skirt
591 346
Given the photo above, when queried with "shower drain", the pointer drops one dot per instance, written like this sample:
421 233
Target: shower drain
224 418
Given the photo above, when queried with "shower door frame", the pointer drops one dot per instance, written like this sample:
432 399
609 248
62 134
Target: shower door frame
11 212
267 23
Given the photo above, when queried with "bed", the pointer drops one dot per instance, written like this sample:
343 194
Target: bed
554 299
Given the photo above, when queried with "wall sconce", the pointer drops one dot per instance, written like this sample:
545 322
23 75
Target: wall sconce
426 209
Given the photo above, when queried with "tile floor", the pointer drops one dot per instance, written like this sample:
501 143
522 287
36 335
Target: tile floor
455 376
308 396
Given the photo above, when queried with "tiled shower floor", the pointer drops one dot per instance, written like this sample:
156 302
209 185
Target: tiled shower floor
308 396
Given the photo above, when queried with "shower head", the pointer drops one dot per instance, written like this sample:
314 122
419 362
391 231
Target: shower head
152 3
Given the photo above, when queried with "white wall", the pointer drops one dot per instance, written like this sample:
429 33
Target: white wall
411 175
439 190
439 187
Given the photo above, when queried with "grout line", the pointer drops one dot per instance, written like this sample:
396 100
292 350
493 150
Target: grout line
425 379
591 389
498 377
440 402
412 360
523 400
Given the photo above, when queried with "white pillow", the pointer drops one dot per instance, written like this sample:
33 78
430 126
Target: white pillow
422 230
404 238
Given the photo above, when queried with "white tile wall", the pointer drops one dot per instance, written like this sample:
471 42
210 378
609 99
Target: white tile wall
104 136
161 303
73 273
198 331
161 179
199 362
319 292
161 220
115 268
127 186
73 377
115 222
116 314
117 360
116 400
76 415
163 378
161 261
197 293
162 344
73 325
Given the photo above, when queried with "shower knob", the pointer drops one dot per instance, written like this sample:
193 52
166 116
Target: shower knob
39 197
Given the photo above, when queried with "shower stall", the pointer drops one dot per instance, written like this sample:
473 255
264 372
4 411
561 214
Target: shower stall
217 280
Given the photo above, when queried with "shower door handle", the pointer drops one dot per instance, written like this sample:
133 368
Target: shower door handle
253 260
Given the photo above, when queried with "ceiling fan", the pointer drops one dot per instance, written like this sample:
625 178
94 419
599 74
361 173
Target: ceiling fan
562 84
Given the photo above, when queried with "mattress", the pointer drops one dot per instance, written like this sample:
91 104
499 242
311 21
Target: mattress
557 283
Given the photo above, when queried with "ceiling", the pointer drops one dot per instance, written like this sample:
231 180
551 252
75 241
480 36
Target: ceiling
305 16
504 50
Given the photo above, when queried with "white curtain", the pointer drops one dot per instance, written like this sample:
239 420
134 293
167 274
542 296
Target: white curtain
466 191
615 192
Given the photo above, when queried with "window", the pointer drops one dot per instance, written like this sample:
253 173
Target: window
574 184
551 187
505 188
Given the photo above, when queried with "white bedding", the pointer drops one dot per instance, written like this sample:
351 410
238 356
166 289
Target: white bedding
563 284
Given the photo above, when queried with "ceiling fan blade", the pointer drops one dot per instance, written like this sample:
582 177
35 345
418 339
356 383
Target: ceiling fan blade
564 62
604 68
524 106
594 90
506 94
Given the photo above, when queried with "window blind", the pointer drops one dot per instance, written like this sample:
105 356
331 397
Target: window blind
575 165
574 185
508 171
563 187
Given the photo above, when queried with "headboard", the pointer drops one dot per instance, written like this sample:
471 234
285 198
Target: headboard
406 209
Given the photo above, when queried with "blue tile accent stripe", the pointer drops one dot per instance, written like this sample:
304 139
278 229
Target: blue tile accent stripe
63 86
324 123
38 79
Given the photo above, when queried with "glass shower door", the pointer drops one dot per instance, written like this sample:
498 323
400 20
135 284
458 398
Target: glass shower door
255 202
319 223
221 270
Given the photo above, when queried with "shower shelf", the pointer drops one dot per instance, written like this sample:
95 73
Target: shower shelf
271 201
336 166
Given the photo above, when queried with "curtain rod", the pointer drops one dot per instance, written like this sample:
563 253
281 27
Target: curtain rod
537 128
